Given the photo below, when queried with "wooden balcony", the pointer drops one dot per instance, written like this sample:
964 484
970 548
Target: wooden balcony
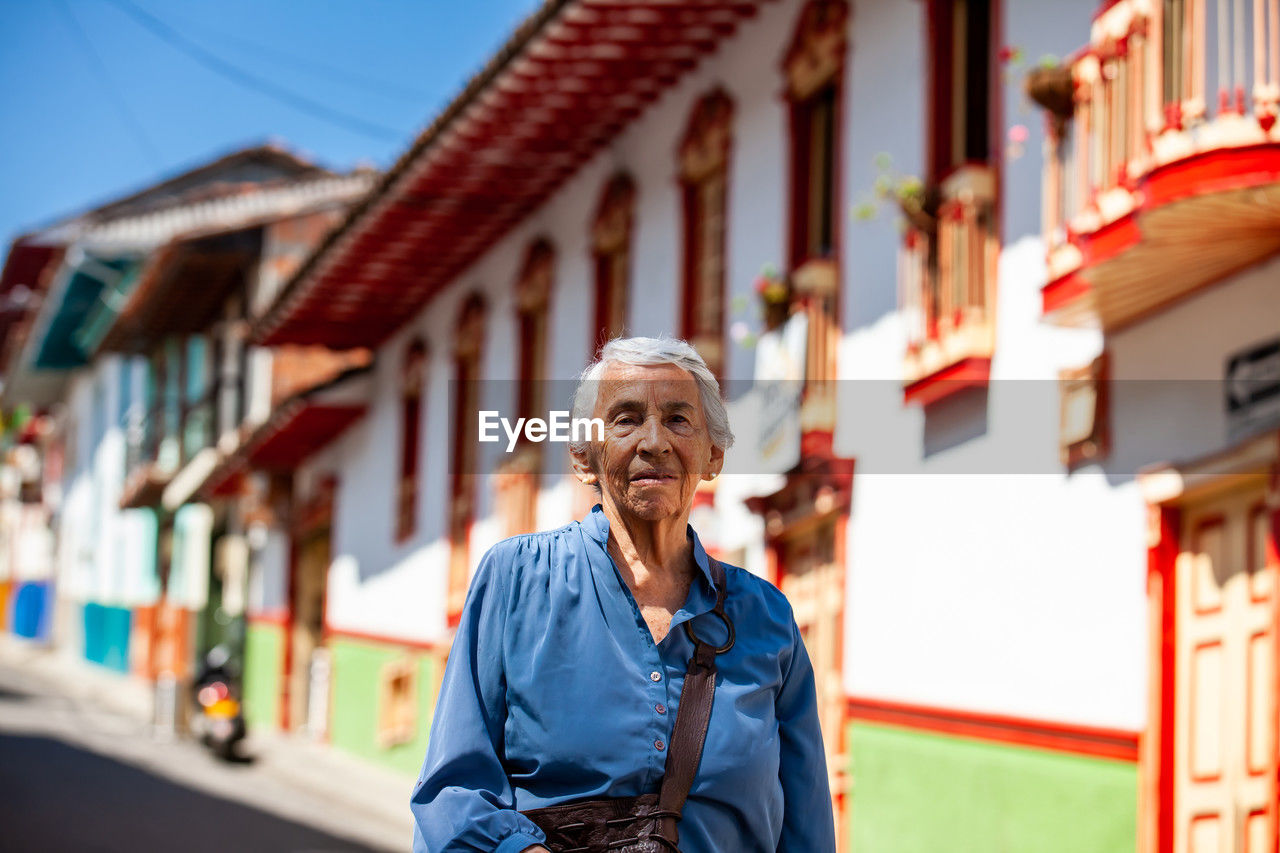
815 290
947 289
1163 169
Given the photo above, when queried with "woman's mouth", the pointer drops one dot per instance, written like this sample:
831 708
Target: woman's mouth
651 478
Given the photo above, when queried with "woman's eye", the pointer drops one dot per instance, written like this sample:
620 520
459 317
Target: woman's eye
679 419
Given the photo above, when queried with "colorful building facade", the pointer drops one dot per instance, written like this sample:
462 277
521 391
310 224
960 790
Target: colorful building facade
984 666
991 289
133 358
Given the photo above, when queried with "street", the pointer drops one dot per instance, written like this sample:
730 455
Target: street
77 776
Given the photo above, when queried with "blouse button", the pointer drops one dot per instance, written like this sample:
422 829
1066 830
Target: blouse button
659 745
655 676
660 708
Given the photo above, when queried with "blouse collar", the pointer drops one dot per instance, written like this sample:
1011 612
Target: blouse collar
596 525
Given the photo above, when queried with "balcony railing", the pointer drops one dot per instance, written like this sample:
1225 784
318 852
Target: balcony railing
947 285
1160 82
815 289
199 424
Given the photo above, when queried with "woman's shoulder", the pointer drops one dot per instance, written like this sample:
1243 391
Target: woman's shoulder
765 600
527 544
527 555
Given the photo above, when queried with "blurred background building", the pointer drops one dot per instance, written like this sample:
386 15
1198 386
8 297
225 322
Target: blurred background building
993 290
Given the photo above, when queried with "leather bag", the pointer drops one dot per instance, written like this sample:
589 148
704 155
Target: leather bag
647 823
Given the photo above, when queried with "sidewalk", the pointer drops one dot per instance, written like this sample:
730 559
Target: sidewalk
371 803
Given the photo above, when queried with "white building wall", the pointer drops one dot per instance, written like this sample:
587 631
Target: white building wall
377 586
105 554
969 584
1170 401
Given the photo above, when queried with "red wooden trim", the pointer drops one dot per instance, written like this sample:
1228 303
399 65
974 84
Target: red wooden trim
1215 171
412 392
1273 560
1063 291
332 633
1111 239
798 150
1255 559
1071 738
279 618
1209 521
966 373
1249 688
1103 7
938 133
1205 173
286 683
1191 713
1162 558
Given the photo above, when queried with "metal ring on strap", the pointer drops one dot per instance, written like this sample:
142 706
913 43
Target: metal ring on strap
728 623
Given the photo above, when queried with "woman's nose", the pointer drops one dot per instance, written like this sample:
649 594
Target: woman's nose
653 438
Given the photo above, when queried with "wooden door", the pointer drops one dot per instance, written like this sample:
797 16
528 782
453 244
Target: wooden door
311 575
813 581
1225 681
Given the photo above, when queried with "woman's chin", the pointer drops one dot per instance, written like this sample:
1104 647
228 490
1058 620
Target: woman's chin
651 503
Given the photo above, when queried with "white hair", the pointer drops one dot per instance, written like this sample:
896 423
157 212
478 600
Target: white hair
653 352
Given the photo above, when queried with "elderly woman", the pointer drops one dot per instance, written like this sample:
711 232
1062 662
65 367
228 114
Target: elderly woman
612 663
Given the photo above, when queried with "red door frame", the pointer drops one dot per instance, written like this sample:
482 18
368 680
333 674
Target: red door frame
1156 771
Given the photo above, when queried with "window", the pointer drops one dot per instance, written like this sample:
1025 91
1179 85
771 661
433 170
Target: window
415 363
813 66
704 162
611 251
951 246
533 297
1085 434
516 481
960 38
397 702
467 352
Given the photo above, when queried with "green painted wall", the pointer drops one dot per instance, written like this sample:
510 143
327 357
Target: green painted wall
353 721
263 674
916 791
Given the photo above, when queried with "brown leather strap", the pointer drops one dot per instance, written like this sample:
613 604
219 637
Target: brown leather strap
689 731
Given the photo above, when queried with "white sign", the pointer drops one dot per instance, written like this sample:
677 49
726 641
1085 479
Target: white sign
1253 390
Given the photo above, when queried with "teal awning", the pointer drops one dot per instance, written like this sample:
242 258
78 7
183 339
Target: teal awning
62 347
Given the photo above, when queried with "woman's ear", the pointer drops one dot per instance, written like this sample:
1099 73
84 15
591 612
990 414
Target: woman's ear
580 461
715 465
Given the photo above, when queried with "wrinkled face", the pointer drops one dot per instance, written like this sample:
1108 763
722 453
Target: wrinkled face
656 445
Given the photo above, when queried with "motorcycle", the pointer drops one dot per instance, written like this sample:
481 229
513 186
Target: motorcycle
219 719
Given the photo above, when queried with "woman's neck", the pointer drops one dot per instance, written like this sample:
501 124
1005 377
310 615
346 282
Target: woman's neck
657 551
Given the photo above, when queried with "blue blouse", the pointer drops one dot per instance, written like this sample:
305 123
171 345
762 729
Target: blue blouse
555 691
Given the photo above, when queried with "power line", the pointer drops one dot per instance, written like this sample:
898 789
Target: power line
258 84
135 126
342 75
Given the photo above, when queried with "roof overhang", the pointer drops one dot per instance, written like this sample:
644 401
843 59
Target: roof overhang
570 79
179 291
1251 462
297 429
26 273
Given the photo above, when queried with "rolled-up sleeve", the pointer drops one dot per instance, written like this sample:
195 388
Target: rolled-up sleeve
808 825
463 799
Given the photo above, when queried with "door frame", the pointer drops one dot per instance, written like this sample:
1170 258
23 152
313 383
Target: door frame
313 518
1166 490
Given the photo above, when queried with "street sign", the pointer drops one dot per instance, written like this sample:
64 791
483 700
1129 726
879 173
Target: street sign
1252 390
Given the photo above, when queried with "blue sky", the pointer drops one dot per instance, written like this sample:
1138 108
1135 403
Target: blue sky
96 104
